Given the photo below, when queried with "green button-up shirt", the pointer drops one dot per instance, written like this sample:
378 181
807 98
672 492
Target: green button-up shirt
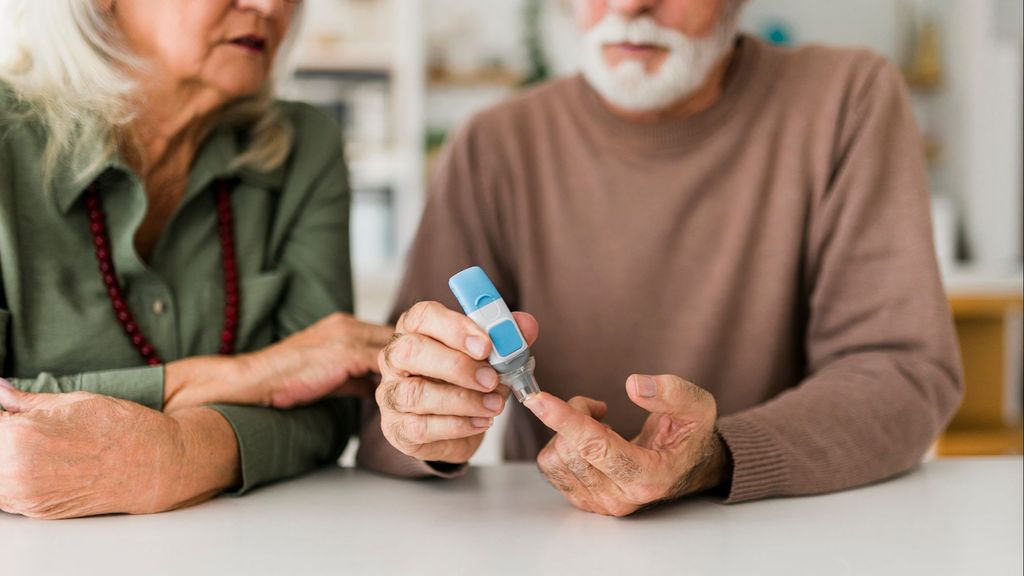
58 332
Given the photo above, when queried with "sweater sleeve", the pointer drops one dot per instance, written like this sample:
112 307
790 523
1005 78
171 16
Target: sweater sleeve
459 228
883 371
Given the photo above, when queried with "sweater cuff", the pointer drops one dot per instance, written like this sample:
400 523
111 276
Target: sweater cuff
140 385
377 454
759 468
394 463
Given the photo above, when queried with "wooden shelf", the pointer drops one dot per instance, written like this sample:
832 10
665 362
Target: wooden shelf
440 79
982 442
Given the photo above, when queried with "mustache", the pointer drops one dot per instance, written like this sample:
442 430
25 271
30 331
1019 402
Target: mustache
616 29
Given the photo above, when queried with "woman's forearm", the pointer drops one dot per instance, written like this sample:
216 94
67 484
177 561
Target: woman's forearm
210 464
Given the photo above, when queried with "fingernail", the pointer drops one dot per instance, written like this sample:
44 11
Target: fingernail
492 402
6 384
487 377
481 422
535 405
646 387
476 347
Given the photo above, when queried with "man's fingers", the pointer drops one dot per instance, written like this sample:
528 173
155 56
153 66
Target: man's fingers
671 395
528 326
426 397
593 408
565 481
455 451
561 417
604 449
416 429
453 329
416 354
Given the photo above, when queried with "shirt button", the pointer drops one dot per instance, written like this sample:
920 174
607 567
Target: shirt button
159 307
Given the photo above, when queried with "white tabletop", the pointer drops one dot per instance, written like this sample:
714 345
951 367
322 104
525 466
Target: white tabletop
959 516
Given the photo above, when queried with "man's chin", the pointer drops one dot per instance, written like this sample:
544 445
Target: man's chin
634 90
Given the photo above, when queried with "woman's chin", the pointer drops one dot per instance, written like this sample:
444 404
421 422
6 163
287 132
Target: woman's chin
240 88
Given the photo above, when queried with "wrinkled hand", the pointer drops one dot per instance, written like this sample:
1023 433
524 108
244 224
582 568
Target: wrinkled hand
332 357
438 395
81 454
677 452
337 356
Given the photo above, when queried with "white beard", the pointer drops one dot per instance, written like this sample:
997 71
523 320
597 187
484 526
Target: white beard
628 85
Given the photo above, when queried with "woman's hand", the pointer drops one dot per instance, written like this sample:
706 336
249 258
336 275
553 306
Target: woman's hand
335 356
81 454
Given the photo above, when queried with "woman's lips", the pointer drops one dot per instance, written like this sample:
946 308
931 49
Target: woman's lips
250 43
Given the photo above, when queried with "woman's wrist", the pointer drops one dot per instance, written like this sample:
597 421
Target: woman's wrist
206 460
195 382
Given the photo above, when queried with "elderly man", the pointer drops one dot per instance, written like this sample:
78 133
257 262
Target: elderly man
727 244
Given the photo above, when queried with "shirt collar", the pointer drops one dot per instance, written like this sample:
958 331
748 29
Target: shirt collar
213 162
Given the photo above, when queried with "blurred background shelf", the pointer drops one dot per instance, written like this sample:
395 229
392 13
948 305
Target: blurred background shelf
987 307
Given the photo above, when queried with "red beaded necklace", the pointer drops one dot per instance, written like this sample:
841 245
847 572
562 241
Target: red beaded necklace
104 256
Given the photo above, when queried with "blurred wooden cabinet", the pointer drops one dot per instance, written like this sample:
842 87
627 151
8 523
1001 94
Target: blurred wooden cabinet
988 325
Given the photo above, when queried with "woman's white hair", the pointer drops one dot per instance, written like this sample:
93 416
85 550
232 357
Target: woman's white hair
65 65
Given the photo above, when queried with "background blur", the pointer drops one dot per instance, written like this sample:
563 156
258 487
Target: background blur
401 75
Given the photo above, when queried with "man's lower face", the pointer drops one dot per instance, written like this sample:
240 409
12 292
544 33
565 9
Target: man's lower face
651 56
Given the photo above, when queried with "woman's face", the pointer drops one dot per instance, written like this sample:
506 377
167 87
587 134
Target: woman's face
227 46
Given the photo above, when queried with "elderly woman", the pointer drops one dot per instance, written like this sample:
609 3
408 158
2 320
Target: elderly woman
173 259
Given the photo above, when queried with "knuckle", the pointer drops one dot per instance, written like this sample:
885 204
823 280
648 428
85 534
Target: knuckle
412 429
405 395
336 320
399 351
594 448
644 493
620 509
385 396
582 471
396 433
382 359
417 315
546 459
551 466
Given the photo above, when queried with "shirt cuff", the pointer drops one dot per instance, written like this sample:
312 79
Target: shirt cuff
275 444
759 467
253 462
140 385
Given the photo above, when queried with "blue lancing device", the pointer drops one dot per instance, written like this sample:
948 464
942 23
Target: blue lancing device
510 356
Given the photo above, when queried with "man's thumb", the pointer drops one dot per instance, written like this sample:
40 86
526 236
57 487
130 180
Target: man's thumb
670 395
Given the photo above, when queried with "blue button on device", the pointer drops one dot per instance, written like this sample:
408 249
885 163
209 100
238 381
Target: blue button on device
505 337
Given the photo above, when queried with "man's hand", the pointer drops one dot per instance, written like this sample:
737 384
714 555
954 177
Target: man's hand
678 451
81 454
438 395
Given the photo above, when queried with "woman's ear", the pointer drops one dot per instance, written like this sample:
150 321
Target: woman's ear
106 6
